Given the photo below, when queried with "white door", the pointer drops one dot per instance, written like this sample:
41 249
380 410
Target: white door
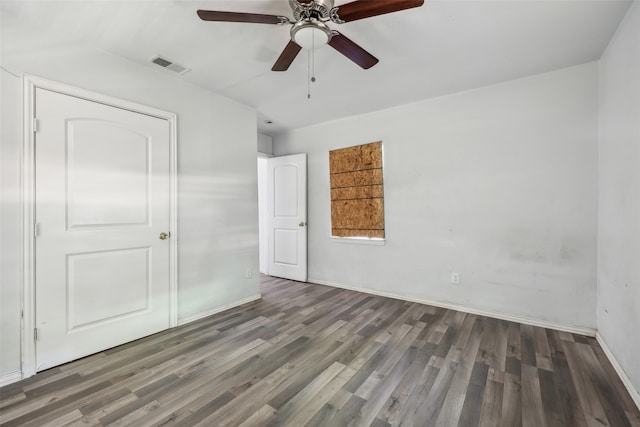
288 217
102 202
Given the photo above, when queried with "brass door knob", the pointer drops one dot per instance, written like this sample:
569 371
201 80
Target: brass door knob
164 236
301 224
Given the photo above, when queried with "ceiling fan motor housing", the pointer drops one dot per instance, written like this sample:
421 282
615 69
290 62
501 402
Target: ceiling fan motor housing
324 7
317 9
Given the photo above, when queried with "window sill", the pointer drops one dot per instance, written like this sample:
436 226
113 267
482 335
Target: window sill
358 241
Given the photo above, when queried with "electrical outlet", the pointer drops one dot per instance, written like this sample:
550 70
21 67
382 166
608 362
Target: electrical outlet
248 273
455 278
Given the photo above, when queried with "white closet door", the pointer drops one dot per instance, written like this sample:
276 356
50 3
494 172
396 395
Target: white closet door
102 202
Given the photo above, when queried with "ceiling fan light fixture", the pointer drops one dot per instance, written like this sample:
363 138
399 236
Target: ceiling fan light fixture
310 34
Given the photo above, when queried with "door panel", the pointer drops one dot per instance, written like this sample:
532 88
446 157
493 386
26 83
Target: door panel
102 200
288 216
106 286
286 246
104 187
286 203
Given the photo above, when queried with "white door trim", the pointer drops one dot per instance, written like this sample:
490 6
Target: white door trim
30 83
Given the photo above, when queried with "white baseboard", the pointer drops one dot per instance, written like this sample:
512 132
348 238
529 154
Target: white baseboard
217 310
590 332
11 378
621 373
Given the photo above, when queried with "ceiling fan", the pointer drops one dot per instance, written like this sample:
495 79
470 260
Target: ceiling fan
309 28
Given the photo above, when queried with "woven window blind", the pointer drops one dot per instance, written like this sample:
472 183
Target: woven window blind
357 197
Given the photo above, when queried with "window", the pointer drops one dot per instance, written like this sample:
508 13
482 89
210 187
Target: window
357 197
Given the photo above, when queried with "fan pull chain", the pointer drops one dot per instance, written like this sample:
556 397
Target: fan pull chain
313 58
309 74
311 65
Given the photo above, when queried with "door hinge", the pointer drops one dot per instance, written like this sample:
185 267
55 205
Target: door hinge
35 334
36 229
36 128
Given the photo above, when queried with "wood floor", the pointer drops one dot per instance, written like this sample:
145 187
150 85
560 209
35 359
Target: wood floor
310 355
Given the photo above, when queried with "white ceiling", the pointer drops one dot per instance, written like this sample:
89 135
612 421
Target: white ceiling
441 48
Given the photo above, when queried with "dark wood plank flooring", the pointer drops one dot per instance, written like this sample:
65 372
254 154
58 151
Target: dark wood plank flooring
310 355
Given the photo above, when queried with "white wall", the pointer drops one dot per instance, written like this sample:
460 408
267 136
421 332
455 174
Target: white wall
10 217
217 200
498 184
618 315
265 144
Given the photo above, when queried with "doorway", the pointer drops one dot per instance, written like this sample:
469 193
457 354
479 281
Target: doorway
282 207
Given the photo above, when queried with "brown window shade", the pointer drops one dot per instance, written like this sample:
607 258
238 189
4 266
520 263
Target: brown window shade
357 197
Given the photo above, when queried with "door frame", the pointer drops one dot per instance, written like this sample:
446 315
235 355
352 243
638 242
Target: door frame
263 214
30 83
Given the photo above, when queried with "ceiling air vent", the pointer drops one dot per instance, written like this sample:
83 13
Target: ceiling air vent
169 65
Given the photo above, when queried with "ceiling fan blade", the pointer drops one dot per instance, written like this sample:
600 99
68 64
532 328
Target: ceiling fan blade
286 57
255 18
360 9
352 51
